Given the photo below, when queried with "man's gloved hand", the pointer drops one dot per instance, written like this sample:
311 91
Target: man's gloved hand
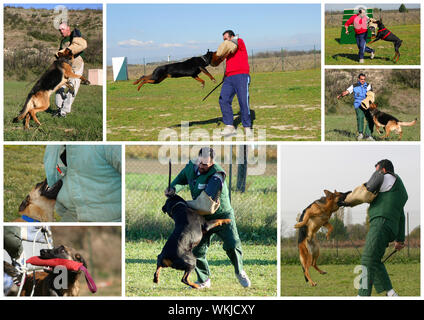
169 192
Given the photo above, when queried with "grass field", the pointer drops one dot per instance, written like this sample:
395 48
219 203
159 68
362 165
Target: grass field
339 280
260 264
84 123
23 168
343 128
347 54
404 272
285 104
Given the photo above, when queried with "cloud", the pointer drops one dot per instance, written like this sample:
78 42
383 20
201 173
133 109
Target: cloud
134 43
172 45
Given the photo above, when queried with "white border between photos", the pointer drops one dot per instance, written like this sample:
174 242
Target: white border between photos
279 146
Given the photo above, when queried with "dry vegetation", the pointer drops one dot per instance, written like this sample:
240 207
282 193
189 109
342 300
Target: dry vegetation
30 39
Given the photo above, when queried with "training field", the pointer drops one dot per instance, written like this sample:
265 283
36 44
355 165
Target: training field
285 104
259 263
404 273
347 54
147 228
84 123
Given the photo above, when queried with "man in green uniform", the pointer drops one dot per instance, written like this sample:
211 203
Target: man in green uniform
207 176
387 224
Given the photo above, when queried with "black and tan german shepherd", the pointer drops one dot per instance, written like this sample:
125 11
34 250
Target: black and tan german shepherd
56 76
189 230
384 34
38 205
388 122
188 68
315 216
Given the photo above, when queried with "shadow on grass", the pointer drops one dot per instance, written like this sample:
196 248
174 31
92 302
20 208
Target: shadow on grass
218 121
354 57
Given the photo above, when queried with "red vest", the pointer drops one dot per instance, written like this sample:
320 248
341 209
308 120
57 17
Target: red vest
238 62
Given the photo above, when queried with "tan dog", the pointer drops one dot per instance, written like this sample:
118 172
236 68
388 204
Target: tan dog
56 76
45 281
388 122
38 206
314 217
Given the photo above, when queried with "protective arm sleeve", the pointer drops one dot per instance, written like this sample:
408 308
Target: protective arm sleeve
374 183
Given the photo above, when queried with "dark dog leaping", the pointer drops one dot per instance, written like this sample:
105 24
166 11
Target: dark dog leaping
384 34
189 229
188 68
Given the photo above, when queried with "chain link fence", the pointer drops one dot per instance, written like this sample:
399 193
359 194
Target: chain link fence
392 18
267 60
252 181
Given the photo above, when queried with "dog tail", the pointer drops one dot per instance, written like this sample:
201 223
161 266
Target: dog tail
24 110
408 124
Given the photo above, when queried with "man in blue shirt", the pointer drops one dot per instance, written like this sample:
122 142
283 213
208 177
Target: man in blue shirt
359 91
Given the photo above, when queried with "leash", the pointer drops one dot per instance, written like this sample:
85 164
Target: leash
213 89
393 252
169 174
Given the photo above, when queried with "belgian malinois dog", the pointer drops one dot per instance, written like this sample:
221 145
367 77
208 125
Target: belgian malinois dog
315 216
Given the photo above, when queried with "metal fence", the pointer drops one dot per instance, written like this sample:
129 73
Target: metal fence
253 188
392 18
267 60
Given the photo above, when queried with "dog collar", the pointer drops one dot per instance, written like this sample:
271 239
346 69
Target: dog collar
179 202
29 219
204 59
381 30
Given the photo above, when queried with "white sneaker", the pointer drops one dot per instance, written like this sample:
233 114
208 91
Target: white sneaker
370 138
228 131
360 137
203 285
248 132
373 54
243 279
361 60
392 293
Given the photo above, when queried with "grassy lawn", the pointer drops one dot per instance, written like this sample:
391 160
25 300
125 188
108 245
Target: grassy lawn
347 54
339 280
285 104
84 123
260 263
343 128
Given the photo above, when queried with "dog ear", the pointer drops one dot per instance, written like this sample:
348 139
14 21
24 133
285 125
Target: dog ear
327 193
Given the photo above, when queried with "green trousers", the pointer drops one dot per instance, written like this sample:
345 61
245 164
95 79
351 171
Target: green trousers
378 238
361 117
232 246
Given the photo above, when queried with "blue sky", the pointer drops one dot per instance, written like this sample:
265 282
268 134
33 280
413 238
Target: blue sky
74 6
154 31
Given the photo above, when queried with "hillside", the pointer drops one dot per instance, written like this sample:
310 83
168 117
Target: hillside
30 39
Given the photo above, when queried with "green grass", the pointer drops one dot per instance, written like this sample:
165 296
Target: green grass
255 210
259 263
339 280
347 54
342 127
84 123
23 168
285 104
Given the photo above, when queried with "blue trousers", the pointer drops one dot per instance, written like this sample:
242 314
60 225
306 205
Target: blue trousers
236 84
361 41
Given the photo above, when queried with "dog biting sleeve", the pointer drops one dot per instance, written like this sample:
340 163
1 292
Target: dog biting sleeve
68 264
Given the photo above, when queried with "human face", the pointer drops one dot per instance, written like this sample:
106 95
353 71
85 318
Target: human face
361 79
205 163
226 36
65 30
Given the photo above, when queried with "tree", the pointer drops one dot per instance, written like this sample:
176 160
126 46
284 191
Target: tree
402 8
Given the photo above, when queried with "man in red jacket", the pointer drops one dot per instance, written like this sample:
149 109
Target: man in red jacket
237 80
360 24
